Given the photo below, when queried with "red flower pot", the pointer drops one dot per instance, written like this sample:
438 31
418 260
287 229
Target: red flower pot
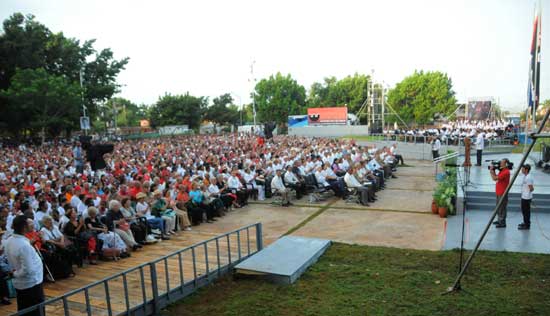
434 207
442 212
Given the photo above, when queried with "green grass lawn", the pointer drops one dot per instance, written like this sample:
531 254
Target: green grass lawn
362 280
519 149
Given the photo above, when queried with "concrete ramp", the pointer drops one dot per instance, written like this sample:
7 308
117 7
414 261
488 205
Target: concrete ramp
285 260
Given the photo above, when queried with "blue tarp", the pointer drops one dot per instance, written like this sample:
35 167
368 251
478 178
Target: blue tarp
297 121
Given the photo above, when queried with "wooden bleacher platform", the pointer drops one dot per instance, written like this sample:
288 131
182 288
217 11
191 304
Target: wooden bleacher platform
93 273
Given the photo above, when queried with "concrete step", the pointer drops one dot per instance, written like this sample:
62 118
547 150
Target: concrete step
511 199
512 206
283 261
510 195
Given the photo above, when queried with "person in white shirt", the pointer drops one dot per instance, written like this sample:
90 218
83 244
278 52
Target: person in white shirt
227 199
77 203
396 154
320 177
436 145
236 187
293 182
277 186
527 188
249 177
39 214
27 265
144 210
352 182
480 142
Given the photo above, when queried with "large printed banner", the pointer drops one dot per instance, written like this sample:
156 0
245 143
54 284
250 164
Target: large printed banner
297 121
327 116
479 110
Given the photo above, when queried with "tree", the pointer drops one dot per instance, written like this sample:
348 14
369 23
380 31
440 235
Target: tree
44 102
419 97
279 96
128 114
28 44
177 110
351 91
541 110
222 111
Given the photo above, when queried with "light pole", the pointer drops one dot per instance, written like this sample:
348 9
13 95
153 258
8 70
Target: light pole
81 76
115 116
253 80
240 104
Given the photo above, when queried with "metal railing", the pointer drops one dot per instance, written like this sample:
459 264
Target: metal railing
421 139
149 287
442 160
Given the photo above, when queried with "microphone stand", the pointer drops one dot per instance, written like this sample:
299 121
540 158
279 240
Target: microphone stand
463 183
462 187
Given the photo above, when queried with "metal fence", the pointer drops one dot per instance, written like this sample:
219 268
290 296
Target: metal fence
149 287
421 139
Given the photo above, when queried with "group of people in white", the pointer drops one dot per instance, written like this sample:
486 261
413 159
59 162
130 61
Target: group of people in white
453 131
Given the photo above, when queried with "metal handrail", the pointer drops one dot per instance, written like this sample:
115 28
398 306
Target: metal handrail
160 300
445 157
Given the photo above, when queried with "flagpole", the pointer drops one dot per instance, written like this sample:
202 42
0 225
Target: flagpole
538 15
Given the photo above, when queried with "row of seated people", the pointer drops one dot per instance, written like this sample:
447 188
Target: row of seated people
74 238
363 178
64 241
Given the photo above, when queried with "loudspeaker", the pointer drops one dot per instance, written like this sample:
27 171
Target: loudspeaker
86 141
268 130
95 154
545 153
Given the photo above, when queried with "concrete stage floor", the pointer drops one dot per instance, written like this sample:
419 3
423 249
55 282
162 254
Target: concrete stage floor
535 240
480 179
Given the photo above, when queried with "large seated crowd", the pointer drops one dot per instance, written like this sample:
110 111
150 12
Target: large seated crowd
153 189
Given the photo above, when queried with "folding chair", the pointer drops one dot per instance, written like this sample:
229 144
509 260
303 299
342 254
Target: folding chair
353 196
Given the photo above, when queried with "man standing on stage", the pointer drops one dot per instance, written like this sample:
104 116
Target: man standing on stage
502 179
27 274
436 146
480 142
527 189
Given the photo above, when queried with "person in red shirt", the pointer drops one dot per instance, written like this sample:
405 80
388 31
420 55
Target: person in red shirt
135 188
502 180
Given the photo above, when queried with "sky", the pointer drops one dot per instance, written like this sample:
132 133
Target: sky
207 47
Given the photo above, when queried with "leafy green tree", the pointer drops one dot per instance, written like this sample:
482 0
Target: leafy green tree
233 115
419 97
279 96
222 111
45 103
351 91
128 114
541 110
177 110
28 44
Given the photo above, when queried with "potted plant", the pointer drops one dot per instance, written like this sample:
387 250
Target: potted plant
434 206
436 199
446 201
441 206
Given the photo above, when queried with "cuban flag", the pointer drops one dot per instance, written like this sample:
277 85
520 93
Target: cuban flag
534 64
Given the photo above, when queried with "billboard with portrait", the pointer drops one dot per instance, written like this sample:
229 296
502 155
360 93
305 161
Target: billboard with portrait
327 116
479 110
